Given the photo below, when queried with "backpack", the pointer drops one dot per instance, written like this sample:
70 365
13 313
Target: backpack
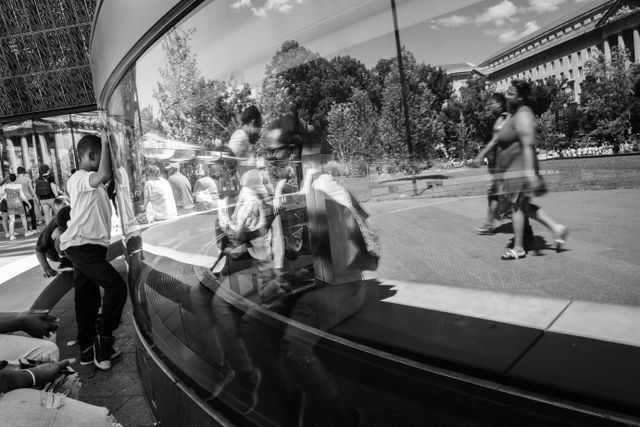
43 189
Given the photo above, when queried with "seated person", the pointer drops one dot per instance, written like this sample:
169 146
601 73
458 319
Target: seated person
38 324
22 402
48 244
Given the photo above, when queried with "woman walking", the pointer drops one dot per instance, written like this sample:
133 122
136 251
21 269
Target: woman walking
15 198
518 166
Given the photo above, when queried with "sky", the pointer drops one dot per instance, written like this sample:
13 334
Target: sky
236 38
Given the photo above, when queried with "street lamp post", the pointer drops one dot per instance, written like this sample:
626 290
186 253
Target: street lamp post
403 90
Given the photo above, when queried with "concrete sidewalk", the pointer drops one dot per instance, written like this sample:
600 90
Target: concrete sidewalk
118 389
432 240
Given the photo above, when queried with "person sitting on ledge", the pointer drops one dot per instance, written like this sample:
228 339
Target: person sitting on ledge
48 244
38 324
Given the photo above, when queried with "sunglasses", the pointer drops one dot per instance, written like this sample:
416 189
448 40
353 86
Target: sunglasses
280 153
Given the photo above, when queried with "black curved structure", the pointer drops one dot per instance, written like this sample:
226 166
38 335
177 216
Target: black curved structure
224 338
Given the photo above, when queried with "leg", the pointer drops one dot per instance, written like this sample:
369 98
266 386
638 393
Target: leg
32 213
321 309
23 219
518 219
5 226
559 231
91 261
13 347
24 407
87 302
12 224
228 322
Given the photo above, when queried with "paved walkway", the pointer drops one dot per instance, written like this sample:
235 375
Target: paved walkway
432 240
118 389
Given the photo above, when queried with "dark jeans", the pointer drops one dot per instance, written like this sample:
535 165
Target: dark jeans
92 271
31 213
288 358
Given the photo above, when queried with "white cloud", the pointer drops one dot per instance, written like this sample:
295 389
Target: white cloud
452 21
542 6
510 34
283 6
530 27
240 4
499 14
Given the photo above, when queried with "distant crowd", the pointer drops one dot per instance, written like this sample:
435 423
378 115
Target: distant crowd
591 150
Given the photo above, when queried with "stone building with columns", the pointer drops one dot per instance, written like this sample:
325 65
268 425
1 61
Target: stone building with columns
563 47
51 141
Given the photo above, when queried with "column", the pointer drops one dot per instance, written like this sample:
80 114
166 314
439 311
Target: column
636 45
11 154
35 162
44 150
620 42
26 159
607 50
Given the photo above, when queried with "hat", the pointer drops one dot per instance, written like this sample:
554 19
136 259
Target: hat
173 165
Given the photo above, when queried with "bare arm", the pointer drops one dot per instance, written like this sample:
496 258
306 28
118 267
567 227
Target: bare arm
12 379
10 322
37 323
24 198
54 188
103 175
32 191
487 148
525 124
42 259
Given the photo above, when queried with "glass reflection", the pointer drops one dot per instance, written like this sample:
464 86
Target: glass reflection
244 180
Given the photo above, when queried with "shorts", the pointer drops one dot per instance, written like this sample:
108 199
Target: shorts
492 191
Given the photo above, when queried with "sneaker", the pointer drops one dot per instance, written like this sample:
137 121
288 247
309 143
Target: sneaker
12 237
103 352
65 265
29 233
86 356
6 235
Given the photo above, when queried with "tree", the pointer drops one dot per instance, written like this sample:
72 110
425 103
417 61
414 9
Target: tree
301 73
353 130
194 109
313 84
607 101
425 121
472 104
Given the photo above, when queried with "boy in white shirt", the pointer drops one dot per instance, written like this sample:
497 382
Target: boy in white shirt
85 243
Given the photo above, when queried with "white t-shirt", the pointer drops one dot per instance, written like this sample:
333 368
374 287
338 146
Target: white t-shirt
162 204
239 143
90 221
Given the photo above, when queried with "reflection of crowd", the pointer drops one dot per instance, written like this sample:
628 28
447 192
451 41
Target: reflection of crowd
591 150
270 254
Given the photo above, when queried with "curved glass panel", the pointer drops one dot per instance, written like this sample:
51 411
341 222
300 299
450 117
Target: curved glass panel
296 197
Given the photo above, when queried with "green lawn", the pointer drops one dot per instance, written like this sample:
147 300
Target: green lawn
574 174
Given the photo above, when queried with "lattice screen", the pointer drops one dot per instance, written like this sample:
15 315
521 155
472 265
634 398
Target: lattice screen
44 55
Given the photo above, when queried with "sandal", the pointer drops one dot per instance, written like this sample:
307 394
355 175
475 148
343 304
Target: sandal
512 254
561 238
486 229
